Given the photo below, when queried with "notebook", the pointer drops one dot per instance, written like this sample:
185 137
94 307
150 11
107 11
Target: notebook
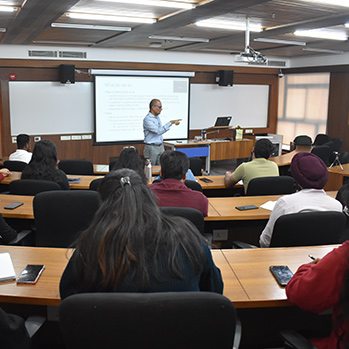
7 271
223 121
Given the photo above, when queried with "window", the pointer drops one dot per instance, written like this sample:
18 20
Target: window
303 102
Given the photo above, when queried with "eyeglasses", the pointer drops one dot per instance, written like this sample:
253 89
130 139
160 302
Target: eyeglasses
158 106
131 147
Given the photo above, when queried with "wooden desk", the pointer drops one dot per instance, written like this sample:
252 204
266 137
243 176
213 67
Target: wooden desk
251 267
285 160
104 169
23 212
46 291
336 177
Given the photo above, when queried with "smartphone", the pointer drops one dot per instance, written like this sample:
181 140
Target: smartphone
246 207
282 274
13 205
206 180
31 274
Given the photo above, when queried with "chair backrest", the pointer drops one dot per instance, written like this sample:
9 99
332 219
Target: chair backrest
94 185
321 139
31 186
192 214
193 185
338 142
308 229
61 215
196 166
276 185
323 152
344 157
76 167
13 165
168 320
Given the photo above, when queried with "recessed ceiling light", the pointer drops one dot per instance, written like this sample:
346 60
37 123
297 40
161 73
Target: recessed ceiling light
63 42
76 15
170 4
322 34
8 9
177 38
322 50
277 41
88 26
228 25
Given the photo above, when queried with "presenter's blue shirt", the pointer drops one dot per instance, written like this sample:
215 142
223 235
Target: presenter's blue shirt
153 129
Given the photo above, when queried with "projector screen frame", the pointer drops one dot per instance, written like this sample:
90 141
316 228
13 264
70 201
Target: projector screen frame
141 140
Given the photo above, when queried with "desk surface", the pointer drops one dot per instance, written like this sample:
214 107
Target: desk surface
104 169
46 291
285 159
247 280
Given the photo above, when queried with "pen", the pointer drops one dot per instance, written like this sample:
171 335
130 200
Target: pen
311 257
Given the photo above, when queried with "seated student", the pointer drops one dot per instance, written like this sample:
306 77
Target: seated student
43 165
6 232
311 174
131 246
130 158
321 285
172 192
13 332
260 166
23 146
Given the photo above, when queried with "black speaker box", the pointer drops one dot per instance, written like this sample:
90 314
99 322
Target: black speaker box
67 73
226 78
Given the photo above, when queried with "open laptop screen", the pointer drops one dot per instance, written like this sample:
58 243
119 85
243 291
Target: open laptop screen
223 121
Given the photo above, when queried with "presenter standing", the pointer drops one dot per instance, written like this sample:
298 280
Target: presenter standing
153 131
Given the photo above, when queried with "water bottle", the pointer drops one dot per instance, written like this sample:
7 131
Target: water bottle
148 171
203 134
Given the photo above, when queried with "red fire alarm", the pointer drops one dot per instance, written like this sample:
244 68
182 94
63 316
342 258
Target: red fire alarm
12 77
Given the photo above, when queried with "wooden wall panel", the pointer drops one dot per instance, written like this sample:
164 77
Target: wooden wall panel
48 70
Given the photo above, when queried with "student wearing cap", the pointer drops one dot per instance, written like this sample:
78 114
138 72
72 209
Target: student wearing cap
311 174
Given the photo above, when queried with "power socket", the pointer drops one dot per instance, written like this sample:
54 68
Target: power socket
220 235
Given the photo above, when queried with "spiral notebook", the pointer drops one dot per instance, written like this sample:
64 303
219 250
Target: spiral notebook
7 271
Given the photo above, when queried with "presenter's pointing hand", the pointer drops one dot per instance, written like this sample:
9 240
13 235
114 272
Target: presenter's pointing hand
176 122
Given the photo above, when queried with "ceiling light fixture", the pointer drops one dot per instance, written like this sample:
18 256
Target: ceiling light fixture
322 34
63 42
347 25
177 38
277 41
170 4
322 50
76 15
8 9
2 30
209 23
343 3
88 26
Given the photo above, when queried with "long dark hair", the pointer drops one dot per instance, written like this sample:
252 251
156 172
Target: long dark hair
129 235
130 158
43 163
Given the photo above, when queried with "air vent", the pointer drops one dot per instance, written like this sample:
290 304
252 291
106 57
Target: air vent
36 53
72 54
277 63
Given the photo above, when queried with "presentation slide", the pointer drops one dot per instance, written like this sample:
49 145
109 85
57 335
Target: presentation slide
122 102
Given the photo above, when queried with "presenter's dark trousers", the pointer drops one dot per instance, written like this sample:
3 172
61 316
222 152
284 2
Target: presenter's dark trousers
153 152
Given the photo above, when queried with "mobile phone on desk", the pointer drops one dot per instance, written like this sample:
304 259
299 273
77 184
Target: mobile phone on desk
31 274
13 205
246 207
206 180
282 274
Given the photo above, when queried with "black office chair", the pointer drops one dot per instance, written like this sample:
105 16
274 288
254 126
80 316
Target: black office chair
31 186
321 139
193 185
61 215
94 185
323 152
76 167
337 144
344 157
168 320
192 214
308 229
196 166
13 165
276 185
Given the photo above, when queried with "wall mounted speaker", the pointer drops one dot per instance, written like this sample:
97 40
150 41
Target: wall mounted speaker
226 78
67 73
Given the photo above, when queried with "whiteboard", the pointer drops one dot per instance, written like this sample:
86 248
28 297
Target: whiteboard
247 104
39 108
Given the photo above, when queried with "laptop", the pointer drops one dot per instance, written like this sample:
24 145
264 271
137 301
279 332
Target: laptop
223 121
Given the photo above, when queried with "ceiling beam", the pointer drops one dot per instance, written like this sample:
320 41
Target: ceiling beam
34 17
208 10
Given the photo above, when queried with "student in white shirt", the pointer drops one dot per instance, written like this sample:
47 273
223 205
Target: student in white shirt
23 146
